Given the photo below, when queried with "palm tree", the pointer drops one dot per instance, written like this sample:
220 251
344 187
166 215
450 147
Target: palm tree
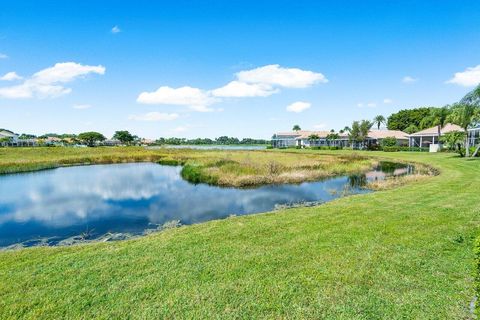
296 128
464 115
346 129
379 120
439 117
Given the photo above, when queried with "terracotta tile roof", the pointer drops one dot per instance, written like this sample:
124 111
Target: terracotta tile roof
320 134
433 131
382 134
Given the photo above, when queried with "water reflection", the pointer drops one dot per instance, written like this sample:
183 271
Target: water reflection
131 197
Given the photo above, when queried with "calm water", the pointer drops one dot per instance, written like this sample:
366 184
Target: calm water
64 202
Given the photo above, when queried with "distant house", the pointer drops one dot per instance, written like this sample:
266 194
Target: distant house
429 137
8 137
286 139
375 137
111 142
474 135
304 139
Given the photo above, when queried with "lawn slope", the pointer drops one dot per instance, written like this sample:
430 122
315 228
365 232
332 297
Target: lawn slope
397 254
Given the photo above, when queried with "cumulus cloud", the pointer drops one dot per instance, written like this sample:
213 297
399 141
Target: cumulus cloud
240 89
3 56
468 78
115 29
285 77
298 106
48 83
154 116
387 101
10 76
81 106
196 99
408 79
369 105
259 82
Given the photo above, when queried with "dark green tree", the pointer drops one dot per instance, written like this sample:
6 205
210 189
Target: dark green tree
91 137
403 119
123 136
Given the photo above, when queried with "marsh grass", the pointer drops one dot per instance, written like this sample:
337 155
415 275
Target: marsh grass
229 169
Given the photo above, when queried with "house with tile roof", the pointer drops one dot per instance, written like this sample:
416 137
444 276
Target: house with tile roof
430 137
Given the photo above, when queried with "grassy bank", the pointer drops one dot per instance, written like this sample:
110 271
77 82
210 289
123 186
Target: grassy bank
404 253
225 168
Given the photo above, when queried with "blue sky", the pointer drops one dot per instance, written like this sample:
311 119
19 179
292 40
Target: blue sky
79 66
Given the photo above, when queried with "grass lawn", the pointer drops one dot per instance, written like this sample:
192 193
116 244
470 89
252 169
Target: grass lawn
398 254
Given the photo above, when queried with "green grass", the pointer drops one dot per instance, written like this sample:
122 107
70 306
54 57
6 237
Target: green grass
404 253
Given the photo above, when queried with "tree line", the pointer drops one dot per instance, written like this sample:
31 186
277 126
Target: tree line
93 138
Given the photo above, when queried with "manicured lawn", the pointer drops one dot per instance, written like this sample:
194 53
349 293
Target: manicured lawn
398 254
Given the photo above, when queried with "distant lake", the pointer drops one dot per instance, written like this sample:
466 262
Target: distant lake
213 147
130 198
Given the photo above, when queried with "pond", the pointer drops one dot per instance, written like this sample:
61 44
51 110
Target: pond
47 207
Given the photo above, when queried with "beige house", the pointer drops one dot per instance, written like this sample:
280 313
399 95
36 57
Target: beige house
303 139
429 138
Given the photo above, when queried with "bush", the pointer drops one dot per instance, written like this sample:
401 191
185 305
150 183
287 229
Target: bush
325 148
391 149
389 142
194 174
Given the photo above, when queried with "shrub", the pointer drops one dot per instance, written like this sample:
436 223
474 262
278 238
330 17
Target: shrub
391 149
389 142
194 174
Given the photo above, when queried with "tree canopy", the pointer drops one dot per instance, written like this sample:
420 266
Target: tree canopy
410 118
123 136
91 137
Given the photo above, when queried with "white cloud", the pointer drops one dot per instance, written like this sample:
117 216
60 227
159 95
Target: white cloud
369 105
116 29
3 56
408 79
65 72
10 76
298 106
47 83
240 89
154 116
260 82
285 77
387 101
201 109
82 106
468 78
196 99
